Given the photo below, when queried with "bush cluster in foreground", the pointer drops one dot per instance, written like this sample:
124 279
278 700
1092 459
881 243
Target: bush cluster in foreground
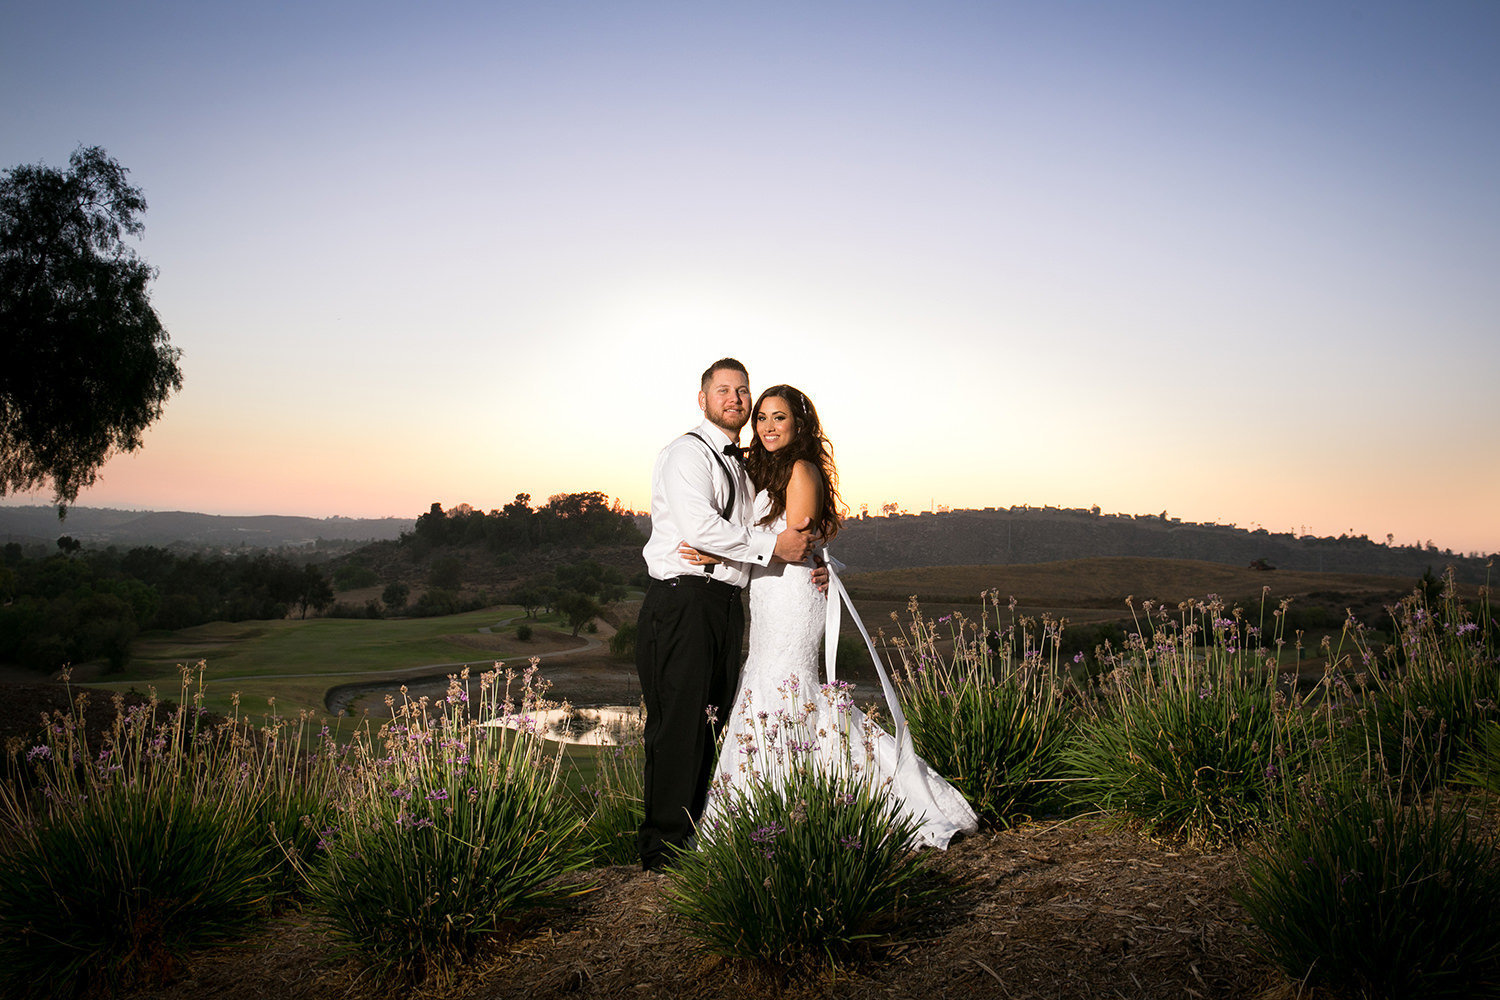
1361 798
1373 867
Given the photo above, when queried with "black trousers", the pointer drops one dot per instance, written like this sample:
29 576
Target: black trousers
687 653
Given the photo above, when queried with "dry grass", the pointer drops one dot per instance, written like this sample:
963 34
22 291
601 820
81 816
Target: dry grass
1105 583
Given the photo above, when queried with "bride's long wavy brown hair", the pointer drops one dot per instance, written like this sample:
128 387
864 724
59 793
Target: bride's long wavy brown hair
771 470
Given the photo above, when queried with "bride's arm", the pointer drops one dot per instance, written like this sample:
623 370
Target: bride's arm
803 501
804 494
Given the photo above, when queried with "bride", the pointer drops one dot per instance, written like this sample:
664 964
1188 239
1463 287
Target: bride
782 714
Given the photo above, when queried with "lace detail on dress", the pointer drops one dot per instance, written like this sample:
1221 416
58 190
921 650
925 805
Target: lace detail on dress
783 709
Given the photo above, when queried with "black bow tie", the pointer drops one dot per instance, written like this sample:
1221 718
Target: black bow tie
733 451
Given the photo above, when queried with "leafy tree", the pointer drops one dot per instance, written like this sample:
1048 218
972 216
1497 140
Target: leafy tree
528 599
579 609
352 576
446 573
85 364
313 590
604 583
394 596
431 526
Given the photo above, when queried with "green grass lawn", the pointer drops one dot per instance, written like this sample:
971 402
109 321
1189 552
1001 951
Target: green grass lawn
296 661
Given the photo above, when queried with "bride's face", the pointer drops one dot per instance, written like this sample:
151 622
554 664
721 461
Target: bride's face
773 423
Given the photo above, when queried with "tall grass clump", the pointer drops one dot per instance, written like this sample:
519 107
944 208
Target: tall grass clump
1363 890
614 797
451 829
1480 767
1378 879
303 775
116 860
1191 728
809 857
1435 689
988 709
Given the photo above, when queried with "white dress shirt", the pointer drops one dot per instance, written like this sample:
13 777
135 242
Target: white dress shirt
689 490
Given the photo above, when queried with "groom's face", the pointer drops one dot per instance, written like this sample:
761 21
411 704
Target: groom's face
725 400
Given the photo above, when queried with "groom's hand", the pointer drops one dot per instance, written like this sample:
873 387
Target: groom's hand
793 544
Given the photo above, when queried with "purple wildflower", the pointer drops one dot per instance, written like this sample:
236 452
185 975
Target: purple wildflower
768 833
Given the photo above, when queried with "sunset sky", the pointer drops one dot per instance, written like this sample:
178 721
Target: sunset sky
1235 261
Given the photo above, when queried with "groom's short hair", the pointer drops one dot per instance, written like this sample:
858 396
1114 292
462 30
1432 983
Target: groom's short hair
722 363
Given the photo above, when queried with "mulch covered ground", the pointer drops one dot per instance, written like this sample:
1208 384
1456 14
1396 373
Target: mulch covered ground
25 704
1076 909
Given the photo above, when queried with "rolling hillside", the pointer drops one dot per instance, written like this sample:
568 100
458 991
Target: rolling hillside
100 526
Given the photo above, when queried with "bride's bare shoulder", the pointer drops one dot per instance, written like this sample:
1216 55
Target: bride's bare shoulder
805 473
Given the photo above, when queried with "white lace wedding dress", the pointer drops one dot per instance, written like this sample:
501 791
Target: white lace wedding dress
783 713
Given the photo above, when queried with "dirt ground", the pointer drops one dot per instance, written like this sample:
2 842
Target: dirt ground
1049 910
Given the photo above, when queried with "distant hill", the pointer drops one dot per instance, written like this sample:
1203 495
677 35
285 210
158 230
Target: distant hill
1037 535
1016 535
101 526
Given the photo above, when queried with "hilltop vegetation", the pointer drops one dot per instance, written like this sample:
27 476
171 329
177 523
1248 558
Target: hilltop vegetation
67 604
1038 535
100 527
470 554
79 606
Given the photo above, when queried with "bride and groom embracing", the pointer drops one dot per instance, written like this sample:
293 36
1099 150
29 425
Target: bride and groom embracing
723 517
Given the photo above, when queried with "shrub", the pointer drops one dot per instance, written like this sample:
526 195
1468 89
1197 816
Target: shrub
615 800
1359 890
342 609
853 654
454 829
436 602
993 723
806 868
1481 766
523 632
1436 688
351 576
1190 743
124 858
394 596
303 777
622 643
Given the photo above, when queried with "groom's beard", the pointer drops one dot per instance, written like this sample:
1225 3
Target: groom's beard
733 430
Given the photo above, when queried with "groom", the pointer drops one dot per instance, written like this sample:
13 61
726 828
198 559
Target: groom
692 623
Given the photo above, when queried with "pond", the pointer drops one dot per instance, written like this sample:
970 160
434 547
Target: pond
605 726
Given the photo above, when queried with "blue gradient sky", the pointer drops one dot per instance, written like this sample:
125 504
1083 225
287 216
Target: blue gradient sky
1236 261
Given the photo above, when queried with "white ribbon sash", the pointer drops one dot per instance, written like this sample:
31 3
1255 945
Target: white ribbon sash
837 598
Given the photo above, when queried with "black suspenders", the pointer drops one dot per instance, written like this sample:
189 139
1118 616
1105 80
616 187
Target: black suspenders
728 507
